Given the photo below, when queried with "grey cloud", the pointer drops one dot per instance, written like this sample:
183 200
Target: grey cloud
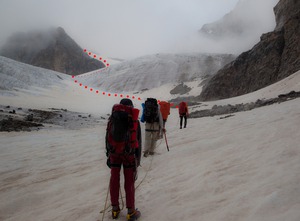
115 28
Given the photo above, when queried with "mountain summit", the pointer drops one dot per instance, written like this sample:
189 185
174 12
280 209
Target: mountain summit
53 49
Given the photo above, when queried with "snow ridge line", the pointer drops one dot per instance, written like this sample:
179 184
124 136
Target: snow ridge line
97 57
88 74
109 94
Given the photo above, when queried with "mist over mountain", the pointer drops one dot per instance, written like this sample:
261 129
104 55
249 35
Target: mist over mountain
249 16
275 57
153 71
53 49
240 29
275 53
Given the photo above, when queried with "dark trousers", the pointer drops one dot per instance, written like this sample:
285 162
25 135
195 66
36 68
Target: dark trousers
128 163
181 119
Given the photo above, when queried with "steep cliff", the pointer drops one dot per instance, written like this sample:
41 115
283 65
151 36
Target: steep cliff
53 49
275 57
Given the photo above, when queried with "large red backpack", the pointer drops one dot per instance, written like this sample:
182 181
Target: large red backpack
122 129
182 108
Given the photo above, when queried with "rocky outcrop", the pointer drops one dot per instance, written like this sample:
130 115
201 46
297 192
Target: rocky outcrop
229 109
180 89
24 119
53 49
275 57
284 10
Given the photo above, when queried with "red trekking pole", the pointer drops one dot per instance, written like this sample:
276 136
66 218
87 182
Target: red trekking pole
166 140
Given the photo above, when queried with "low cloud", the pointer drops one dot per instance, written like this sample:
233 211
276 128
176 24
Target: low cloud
132 28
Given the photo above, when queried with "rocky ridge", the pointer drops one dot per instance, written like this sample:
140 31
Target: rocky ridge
53 49
230 109
275 57
26 119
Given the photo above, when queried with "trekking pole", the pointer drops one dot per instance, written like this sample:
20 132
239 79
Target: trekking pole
166 140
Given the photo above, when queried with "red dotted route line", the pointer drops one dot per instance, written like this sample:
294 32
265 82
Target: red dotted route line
97 57
103 92
104 61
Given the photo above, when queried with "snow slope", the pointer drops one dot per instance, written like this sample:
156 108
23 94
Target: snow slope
153 71
241 168
16 75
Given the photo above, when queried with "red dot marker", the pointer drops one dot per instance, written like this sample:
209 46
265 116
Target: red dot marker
80 84
97 91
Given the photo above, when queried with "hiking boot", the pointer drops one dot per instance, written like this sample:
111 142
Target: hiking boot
134 215
115 212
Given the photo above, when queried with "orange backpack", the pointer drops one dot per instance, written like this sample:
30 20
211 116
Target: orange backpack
165 109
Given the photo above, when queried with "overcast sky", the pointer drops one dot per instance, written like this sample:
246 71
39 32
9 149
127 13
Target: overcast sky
116 28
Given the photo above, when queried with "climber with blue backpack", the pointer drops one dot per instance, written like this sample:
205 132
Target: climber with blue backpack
154 125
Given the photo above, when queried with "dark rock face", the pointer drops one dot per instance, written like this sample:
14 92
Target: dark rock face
284 11
275 57
53 50
180 89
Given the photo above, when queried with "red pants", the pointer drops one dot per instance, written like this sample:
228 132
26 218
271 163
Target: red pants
128 162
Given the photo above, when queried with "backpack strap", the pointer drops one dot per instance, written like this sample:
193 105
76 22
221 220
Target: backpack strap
133 131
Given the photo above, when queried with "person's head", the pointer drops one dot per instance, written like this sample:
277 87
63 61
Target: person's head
127 102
